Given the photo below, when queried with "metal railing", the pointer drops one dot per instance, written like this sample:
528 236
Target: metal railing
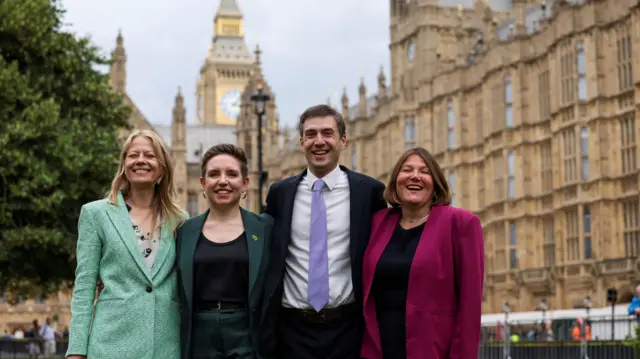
561 338
601 327
558 350
19 348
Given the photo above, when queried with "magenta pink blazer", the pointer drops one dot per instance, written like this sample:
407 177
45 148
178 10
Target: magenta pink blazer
444 298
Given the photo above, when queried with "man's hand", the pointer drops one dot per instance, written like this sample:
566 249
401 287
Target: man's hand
637 311
76 357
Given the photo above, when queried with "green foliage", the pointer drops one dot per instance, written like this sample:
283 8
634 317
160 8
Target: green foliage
635 341
58 143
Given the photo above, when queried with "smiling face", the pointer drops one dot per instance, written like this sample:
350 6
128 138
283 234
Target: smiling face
414 183
223 182
141 166
322 144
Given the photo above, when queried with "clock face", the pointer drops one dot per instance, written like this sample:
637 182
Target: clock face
411 51
230 103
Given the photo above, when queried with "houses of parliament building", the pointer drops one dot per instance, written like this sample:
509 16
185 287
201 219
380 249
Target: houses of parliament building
531 112
528 106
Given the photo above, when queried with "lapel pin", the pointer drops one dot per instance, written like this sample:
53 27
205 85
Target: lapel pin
255 238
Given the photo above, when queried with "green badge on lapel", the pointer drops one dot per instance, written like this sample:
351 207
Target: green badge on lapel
255 238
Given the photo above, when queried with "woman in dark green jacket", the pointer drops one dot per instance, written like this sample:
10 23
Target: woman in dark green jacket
221 256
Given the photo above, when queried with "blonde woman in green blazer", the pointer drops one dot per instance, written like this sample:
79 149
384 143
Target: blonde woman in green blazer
127 241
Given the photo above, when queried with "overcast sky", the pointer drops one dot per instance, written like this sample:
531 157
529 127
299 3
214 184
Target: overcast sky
311 48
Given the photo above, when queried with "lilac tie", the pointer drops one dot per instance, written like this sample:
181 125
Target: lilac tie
318 291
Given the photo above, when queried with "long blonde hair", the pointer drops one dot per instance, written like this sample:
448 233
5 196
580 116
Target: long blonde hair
164 200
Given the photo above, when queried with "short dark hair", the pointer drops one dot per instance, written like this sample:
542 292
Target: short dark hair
440 185
226 149
322 111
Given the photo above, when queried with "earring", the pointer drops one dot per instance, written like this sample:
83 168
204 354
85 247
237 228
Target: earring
435 197
244 195
204 194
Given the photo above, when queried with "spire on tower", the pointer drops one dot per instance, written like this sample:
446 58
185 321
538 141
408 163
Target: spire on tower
228 35
179 97
178 128
362 102
362 89
178 108
118 70
345 98
257 52
381 77
119 50
229 8
382 85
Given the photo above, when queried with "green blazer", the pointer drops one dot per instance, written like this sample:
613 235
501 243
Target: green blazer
258 233
137 315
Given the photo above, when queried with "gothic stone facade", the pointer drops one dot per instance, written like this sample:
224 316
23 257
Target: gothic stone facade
532 115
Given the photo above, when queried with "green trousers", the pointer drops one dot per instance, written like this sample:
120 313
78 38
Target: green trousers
221 334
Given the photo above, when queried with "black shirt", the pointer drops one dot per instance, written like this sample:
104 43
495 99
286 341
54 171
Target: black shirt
221 271
390 284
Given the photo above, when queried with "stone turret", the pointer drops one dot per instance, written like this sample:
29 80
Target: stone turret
519 7
118 71
489 26
345 104
362 99
382 85
179 147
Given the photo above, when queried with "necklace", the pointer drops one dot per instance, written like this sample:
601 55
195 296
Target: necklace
417 220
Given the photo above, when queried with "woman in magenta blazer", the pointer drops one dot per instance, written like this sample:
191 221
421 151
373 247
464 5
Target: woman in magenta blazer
423 269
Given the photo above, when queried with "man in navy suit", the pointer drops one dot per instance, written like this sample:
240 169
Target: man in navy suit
313 286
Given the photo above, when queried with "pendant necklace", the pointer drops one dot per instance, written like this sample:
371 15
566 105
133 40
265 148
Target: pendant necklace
417 220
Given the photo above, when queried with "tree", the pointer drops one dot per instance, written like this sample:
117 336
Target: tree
58 143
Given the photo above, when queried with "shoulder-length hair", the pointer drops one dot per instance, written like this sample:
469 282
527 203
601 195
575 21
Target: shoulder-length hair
440 185
164 202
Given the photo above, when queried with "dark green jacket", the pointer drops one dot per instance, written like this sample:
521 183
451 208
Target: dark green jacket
258 232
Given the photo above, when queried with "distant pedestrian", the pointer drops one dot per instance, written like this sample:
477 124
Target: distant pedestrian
48 336
33 343
634 307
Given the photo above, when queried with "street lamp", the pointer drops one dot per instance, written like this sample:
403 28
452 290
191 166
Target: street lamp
543 308
507 335
260 100
612 298
587 305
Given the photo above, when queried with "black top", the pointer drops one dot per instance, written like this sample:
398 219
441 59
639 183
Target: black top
390 284
221 272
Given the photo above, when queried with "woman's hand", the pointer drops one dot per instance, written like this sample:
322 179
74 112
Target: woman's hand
99 287
76 357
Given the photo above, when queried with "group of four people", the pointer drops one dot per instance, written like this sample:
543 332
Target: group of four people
329 271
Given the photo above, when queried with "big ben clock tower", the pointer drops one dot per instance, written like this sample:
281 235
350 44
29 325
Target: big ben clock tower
226 70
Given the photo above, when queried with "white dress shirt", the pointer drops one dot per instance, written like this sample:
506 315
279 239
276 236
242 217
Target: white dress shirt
336 197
